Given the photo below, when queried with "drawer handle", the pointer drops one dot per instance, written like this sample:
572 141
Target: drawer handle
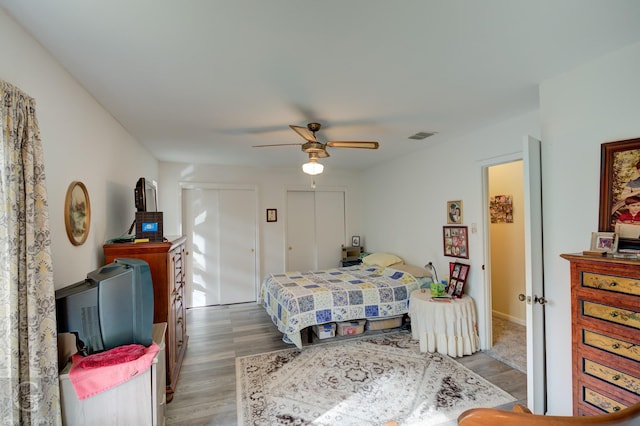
179 321
613 284
616 377
616 408
615 346
180 344
614 314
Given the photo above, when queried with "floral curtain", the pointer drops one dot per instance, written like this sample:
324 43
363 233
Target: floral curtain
29 392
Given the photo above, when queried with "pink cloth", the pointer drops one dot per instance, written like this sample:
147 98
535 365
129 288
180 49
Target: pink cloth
90 381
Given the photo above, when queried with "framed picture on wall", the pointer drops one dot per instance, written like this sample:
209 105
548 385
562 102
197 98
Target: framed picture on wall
272 215
455 242
620 191
77 213
454 212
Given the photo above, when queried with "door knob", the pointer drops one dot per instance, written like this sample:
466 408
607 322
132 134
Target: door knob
541 300
522 297
290 248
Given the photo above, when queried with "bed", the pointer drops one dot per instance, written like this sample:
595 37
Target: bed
297 300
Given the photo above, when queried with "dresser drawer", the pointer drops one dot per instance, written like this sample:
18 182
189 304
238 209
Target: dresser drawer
611 345
597 399
612 376
613 283
611 314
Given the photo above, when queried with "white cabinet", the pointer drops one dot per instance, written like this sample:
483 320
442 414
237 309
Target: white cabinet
139 401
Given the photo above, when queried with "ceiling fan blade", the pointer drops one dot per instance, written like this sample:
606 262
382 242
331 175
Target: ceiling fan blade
277 144
304 132
353 144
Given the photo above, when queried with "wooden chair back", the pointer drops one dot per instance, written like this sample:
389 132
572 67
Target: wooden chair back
522 416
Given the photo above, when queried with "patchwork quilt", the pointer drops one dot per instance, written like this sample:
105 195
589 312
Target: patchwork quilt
296 300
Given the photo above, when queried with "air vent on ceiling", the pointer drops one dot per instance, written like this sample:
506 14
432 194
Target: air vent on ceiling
422 135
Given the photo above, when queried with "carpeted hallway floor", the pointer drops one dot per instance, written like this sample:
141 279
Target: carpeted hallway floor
509 343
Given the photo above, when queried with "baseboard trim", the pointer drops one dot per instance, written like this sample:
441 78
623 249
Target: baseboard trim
510 318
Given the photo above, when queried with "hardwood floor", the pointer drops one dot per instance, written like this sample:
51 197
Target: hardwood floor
206 391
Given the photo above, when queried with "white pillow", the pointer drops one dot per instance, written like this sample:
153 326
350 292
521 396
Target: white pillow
416 271
382 259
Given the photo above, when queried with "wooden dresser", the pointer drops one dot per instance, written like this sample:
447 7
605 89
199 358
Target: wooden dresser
605 308
167 263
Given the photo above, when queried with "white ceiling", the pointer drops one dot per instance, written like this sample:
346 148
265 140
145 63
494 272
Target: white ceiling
204 80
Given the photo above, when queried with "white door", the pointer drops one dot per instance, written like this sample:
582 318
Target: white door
330 228
301 231
315 229
200 216
534 285
221 226
237 229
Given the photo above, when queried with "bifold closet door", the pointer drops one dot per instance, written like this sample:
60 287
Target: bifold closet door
301 231
237 229
330 228
315 229
221 229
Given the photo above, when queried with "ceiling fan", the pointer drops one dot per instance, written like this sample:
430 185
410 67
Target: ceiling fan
317 149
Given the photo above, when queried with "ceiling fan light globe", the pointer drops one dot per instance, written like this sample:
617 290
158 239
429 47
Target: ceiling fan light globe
312 168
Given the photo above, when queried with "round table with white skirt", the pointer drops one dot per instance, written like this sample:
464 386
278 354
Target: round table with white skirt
447 326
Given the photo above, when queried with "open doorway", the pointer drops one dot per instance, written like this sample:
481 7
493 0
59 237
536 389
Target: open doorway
507 260
533 296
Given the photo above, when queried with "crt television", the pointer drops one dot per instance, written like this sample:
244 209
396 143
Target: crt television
145 195
112 307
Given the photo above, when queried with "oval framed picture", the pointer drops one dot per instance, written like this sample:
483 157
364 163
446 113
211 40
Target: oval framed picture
77 213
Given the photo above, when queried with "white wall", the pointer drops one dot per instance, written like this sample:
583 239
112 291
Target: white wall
595 103
81 142
271 185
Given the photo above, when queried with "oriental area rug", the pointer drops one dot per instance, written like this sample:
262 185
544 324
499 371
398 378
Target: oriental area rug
359 381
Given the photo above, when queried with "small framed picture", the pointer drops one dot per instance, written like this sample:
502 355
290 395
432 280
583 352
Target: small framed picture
451 287
463 272
459 274
272 215
604 242
454 212
355 241
455 241
77 213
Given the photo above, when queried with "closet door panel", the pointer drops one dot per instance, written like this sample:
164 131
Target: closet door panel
301 231
200 213
237 218
330 228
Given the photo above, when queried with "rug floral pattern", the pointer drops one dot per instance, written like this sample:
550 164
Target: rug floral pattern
362 381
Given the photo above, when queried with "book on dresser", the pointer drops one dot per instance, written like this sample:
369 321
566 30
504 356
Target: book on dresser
605 307
167 263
